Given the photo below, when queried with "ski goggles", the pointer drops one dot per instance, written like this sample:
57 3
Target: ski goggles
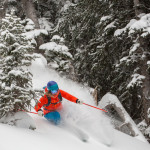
53 92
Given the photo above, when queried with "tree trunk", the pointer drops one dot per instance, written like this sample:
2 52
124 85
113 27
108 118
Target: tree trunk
94 94
137 7
146 88
145 91
1 14
30 12
3 6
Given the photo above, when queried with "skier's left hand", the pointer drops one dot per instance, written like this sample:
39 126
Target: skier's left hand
79 101
40 113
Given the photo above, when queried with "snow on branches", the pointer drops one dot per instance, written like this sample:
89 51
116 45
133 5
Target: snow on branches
16 81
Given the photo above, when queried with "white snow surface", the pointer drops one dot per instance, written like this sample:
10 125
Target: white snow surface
54 47
143 23
137 80
66 6
104 18
45 24
48 136
35 33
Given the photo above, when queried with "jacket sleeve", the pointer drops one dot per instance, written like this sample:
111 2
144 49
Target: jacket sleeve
68 96
39 104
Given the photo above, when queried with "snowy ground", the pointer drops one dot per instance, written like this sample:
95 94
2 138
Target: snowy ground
48 136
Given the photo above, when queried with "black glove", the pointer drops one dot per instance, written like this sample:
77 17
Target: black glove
79 101
40 113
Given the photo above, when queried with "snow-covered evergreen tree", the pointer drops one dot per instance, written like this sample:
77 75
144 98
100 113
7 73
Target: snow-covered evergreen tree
132 83
57 54
89 34
116 60
15 50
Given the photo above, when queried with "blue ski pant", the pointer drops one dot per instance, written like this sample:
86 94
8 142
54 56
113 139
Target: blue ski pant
53 116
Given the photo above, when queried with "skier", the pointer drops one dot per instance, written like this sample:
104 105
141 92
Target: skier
52 102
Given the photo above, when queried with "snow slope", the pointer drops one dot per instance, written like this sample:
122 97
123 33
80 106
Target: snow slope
86 118
48 136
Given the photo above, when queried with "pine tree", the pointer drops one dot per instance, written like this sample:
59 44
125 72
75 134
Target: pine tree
58 55
90 28
15 50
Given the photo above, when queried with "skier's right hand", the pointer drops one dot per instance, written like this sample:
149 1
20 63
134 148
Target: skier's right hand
40 113
79 102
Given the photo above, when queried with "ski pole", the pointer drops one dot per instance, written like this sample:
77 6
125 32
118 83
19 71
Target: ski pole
95 107
28 111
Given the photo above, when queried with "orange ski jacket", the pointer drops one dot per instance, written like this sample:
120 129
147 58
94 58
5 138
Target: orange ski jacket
54 104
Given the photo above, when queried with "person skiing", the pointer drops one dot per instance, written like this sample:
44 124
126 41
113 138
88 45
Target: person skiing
52 102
